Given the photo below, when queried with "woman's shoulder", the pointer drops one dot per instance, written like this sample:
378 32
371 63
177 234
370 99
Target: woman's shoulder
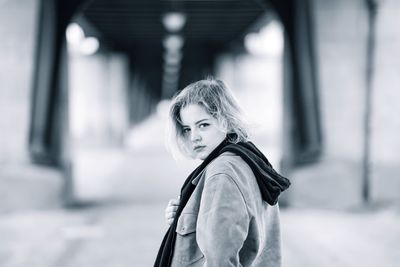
227 163
232 166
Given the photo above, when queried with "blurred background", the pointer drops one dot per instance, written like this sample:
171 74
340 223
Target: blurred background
84 92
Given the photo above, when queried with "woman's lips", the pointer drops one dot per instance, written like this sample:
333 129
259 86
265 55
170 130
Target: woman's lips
198 148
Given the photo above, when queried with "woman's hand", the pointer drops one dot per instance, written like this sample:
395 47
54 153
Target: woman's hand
170 211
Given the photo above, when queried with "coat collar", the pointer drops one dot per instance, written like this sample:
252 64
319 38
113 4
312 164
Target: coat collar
196 179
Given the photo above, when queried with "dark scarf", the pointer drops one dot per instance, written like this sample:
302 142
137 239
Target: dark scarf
270 182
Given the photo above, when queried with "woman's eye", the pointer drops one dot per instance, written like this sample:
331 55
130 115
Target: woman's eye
203 125
186 130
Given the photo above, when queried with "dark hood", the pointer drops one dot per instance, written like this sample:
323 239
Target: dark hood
270 182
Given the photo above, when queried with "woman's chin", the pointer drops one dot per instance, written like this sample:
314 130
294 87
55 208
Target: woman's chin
201 155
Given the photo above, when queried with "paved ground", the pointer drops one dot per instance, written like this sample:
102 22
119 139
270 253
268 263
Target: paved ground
123 223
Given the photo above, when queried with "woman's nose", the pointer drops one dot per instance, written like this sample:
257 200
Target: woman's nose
195 136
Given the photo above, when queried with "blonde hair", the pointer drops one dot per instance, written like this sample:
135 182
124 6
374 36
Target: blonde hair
218 101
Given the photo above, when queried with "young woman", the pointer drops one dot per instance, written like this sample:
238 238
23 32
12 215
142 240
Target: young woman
227 213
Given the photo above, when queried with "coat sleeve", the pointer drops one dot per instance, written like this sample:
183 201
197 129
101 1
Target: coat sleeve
223 221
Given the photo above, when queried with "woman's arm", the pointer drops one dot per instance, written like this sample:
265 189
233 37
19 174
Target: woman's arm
222 223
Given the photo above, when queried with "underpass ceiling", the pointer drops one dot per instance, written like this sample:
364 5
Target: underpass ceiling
124 23
135 26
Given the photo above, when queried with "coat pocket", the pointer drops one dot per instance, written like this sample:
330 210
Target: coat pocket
186 249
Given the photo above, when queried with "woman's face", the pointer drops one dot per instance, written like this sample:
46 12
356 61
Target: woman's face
200 131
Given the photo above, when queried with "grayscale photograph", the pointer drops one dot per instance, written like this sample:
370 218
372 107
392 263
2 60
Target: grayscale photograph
199 133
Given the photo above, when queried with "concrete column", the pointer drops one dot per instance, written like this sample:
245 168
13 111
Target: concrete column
22 185
335 181
98 102
98 120
257 83
18 20
385 128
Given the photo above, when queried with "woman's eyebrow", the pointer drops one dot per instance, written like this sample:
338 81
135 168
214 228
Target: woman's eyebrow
200 121
196 123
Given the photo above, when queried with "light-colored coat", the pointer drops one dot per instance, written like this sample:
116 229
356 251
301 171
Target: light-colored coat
225 222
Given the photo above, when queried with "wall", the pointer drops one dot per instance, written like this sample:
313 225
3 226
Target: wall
386 99
98 98
341 39
22 185
98 109
17 23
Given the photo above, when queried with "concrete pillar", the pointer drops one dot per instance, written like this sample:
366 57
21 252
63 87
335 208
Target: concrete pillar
257 84
386 98
22 185
98 101
18 20
341 31
336 181
98 107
